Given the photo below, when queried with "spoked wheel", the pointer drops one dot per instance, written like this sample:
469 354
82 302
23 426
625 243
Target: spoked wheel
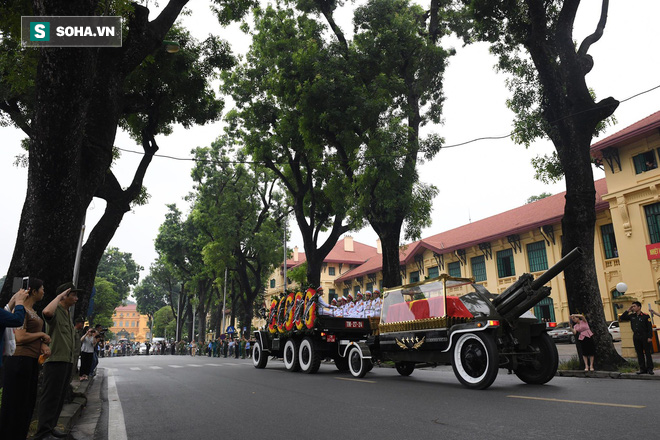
356 363
475 360
291 361
405 368
308 356
539 368
259 358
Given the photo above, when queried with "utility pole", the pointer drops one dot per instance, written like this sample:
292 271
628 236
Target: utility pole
224 301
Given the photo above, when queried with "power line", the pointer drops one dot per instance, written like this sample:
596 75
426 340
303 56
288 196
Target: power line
486 138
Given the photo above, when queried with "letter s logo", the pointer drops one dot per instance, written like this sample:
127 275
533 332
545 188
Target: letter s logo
40 31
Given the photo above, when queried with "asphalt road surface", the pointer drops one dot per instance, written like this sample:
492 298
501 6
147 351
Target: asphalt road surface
180 397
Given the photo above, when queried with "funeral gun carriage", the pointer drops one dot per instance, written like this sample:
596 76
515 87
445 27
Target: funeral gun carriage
443 321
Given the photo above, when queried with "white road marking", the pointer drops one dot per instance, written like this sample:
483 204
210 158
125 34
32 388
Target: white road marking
156 368
136 368
194 365
175 366
116 425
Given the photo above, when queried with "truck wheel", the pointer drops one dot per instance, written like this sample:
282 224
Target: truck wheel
541 368
475 360
356 363
405 368
341 363
308 356
259 358
291 362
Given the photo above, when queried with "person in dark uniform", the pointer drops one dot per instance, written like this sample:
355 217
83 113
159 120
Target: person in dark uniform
640 323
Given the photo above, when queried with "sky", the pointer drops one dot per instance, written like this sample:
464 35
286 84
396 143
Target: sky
475 181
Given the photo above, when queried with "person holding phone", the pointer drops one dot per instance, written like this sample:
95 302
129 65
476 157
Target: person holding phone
21 372
88 341
580 326
14 316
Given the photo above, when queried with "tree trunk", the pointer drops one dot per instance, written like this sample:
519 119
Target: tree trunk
79 91
389 239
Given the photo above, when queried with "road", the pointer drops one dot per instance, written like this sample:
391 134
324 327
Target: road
180 397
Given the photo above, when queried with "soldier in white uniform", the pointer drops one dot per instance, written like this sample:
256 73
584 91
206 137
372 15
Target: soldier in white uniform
368 305
359 306
323 307
349 308
335 310
376 303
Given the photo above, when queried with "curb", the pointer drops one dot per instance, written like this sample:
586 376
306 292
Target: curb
71 411
606 375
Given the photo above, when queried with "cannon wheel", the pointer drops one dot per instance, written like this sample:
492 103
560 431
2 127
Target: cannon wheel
259 359
308 356
475 360
543 366
405 368
356 363
291 360
341 363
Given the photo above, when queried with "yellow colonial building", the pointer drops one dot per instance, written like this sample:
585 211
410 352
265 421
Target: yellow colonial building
129 324
498 249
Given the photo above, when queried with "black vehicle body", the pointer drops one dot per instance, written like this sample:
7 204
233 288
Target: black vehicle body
420 325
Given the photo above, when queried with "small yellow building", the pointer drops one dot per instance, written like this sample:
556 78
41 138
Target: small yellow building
129 324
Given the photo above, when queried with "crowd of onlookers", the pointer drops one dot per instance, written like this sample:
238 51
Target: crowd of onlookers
37 365
40 354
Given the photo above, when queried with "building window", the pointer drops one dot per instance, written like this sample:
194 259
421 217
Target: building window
505 267
653 221
545 310
609 241
331 271
454 269
370 287
356 289
346 292
645 162
272 283
536 255
478 265
331 294
121 323
121 315
434 272
414 276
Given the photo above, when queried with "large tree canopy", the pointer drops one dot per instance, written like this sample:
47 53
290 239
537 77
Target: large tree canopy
338 119
84 95
534 42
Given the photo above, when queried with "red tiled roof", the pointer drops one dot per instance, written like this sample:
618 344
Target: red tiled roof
360 253
128 308
547 211
638 129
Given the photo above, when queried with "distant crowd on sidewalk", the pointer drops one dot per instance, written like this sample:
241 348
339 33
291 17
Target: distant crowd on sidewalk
223 346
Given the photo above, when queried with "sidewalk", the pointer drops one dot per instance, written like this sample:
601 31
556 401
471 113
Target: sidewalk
77 417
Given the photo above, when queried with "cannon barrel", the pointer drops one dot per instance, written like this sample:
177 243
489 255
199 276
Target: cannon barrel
554 270
525 293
